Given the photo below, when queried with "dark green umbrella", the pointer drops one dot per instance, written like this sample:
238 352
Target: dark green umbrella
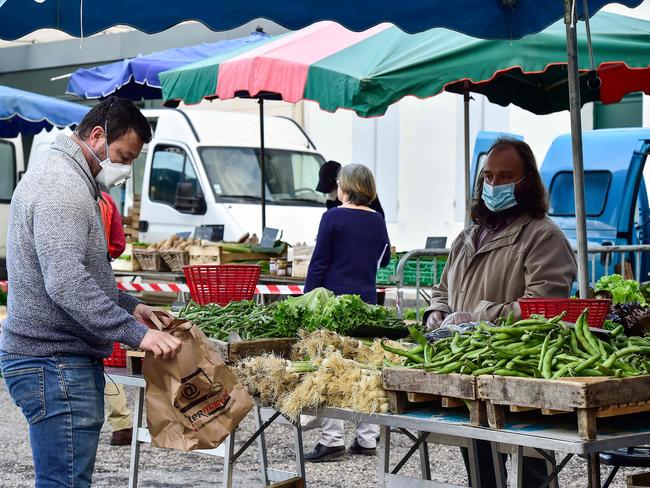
368 71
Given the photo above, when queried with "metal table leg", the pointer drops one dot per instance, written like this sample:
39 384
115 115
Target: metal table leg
135 443
474 468
300 459
261 445
228 459
593 470
499 468
551 466
383 459
518 466
425 466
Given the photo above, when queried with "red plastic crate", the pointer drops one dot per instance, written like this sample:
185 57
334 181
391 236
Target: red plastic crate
550 307
118 358
221 283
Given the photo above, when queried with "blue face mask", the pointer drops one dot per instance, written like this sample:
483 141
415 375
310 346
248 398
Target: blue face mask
499 197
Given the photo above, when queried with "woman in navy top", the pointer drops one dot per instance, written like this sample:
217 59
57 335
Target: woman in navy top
352 243
352 240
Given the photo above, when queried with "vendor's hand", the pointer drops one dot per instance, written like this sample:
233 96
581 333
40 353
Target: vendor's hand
161 344
435 319
142 313
457 318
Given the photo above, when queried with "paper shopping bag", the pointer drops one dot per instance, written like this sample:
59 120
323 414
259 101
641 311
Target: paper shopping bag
193 400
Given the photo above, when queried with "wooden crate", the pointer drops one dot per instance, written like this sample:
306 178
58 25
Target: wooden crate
130 231
216 255
134 361
299 268
589 398
412 388
126 264
639 480
231 352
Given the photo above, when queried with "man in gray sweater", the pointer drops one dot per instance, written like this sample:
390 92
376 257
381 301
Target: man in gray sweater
64 309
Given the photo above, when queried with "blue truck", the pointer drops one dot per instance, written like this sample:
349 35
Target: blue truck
616 195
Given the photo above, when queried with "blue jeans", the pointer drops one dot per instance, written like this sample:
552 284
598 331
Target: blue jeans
62 398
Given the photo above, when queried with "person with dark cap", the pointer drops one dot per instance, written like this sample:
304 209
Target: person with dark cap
327 184
352 243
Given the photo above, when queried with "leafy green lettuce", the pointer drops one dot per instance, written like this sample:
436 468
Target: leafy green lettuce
320 309
295 313
622 290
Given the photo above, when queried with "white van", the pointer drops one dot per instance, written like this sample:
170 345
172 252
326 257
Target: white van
202 167
12 166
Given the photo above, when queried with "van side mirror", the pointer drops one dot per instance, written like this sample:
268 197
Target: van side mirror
189 199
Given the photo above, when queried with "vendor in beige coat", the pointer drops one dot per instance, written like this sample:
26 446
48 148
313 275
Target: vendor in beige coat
512 250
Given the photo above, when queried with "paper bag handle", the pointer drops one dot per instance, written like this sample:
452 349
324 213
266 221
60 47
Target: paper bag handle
175 325
155 319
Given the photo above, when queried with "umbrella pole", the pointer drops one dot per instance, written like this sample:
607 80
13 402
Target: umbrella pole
468 193
262 164
570 20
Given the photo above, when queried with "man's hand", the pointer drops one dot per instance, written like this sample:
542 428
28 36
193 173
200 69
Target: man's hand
142 313
435 319
161 344
457 318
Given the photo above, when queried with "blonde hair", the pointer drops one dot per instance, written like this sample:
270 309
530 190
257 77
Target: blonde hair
357 182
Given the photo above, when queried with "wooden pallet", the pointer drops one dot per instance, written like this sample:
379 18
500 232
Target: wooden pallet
216 255
589 398
408 389
295 482
231 352
404 401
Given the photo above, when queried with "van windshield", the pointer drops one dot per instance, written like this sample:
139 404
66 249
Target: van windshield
291 176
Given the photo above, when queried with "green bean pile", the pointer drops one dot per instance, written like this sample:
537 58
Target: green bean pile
531 348
245 318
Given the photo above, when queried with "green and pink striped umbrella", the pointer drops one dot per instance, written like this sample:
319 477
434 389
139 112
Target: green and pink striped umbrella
370 70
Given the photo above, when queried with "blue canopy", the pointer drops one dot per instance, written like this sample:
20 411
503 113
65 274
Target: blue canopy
137 78
488 19
24 112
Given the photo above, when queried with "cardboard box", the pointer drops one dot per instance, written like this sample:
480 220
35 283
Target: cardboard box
299 268
126 264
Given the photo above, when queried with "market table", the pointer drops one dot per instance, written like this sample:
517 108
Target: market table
264 416
444 426
226 450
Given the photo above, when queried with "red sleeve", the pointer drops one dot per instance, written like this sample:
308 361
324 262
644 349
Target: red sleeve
117 242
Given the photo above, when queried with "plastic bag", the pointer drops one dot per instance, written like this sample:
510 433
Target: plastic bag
450 329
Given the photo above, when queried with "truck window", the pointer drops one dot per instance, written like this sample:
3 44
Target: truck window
561 199
291 176
170 166
7 171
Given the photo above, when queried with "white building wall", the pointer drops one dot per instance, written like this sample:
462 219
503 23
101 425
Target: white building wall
416 152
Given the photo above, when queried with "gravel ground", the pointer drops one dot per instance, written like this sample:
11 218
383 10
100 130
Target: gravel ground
160 468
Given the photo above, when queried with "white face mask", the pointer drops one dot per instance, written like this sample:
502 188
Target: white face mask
111 174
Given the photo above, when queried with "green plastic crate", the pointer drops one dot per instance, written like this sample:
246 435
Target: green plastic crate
427 275
386 276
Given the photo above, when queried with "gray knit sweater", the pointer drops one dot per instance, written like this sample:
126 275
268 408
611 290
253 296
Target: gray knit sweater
62 293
